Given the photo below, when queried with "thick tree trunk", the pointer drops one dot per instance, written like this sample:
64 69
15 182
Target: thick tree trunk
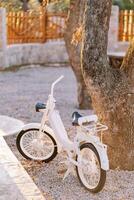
111 89
74 21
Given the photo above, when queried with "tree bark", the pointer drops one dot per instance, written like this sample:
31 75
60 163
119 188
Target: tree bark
111 89
74 21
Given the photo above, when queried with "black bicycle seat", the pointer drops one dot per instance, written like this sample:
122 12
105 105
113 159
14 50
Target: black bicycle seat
40 106
75 117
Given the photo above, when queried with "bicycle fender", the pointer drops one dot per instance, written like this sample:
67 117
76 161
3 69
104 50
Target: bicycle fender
100 147
46 128
102 151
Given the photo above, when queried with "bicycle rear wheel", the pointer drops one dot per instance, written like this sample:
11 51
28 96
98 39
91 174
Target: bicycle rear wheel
89 169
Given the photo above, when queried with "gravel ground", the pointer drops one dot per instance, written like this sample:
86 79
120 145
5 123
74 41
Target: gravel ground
19 91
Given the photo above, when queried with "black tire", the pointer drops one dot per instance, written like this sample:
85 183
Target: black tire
102 179
18 144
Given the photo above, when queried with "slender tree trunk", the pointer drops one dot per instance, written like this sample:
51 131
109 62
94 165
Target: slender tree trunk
111 89
74 21
25 5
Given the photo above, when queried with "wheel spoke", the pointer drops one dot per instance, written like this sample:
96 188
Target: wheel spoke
37 146
89 169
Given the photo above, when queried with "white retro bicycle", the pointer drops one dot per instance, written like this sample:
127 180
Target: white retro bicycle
87 153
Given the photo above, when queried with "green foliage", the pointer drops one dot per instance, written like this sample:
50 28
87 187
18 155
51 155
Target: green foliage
16 5
11 4
61 5
124 4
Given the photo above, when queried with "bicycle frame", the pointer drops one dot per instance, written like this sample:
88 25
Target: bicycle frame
53 116
60 132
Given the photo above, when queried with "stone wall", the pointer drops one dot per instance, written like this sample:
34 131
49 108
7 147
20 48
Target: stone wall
50 52
113 28
25 54
3 39
113 44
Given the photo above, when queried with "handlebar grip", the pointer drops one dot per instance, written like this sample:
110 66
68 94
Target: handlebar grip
59 79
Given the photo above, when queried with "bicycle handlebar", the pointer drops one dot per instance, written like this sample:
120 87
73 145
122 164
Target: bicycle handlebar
54 83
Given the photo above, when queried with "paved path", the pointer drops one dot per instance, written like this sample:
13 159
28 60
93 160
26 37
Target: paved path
9 125
21 90
15 183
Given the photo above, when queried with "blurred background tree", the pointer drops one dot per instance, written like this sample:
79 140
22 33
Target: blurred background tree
16 5
34 5
54 5
11 4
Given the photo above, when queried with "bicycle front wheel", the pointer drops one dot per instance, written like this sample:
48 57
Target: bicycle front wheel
89 169
37 146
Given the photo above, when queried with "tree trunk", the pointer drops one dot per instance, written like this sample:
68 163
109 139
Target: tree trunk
111 89
74 20
25 5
